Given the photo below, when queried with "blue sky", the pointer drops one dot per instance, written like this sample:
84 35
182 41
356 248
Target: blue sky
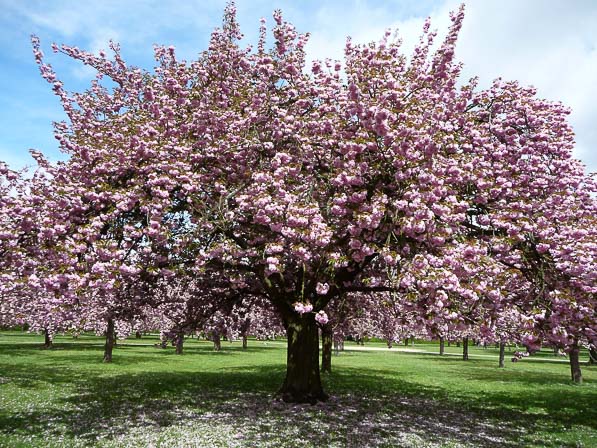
551 44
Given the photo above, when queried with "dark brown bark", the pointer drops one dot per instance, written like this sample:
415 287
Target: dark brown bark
593 356
575 364
138 334
303 381
406 342
442 346
47 339
326 349
465 349
217 342
502 353
389 342
245 342
179 341
109 341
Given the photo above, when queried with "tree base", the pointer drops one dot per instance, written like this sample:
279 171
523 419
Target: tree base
294 396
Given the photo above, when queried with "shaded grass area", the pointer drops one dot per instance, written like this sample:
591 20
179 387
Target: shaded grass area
148 396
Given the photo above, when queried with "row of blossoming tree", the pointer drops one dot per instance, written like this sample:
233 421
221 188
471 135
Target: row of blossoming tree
381 190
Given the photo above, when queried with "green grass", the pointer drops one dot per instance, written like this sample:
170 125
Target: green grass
151 397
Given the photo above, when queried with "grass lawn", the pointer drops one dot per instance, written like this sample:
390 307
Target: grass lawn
66 397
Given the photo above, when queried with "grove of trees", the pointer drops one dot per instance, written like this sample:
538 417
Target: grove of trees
247 193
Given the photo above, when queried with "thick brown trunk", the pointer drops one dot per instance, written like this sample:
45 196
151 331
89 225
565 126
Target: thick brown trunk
303 381
465 349
442 346
245 342
593 356
217 342
179 343
575 364
138 334
502 352
109 341
47 339
326 349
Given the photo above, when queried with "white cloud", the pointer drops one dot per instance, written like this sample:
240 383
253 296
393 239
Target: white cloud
550 44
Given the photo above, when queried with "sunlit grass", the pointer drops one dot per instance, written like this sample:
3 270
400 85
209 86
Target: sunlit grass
150 396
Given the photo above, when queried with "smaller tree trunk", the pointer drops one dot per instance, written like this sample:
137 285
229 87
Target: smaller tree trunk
179 343
217 342
442 346
465 349
575 364
326 349
336 347
245 342
47 339
556 350
406 342
138 334
389 342
502 352
109 341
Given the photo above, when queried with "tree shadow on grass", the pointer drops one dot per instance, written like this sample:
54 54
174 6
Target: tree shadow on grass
371 407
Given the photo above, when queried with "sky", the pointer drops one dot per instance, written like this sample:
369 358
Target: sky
549 44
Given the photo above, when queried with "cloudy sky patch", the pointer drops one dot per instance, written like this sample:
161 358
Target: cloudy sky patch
550 44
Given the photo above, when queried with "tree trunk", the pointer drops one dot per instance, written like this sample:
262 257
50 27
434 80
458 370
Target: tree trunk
138 334
502 351
575 364
245 342
303 381
442 346
465 349
593 356
179 343
336 347
326 349
47 339
109 341
406 342
217 342
389 342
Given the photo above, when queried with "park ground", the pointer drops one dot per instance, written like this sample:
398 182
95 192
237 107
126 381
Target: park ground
403 397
